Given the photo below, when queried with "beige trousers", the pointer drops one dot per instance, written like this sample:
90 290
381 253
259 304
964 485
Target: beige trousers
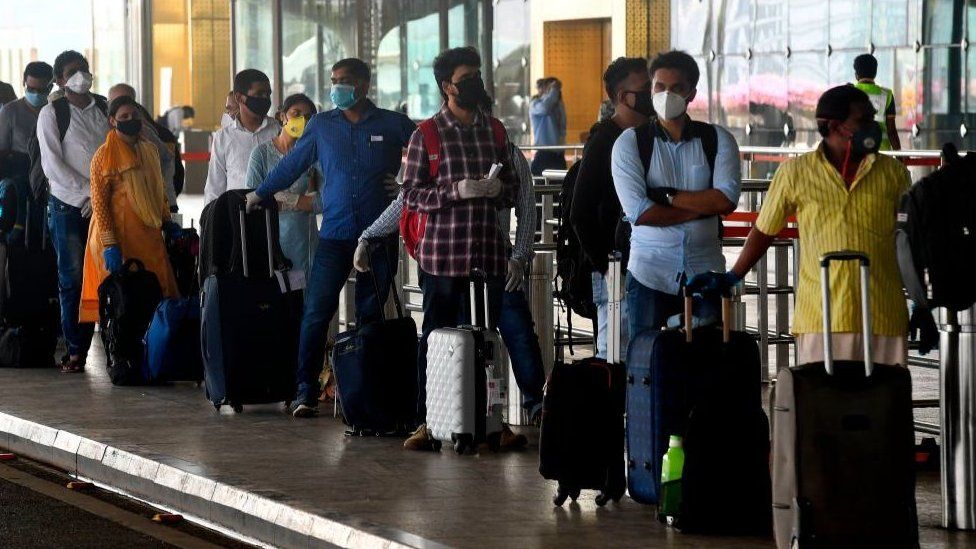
850 346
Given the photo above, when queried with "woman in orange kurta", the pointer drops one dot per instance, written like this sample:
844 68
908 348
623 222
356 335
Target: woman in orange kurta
130 210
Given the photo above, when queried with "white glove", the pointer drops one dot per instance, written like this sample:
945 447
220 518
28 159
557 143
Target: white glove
491 187
86 209
515 277
391 186
360 260
253 202
469 188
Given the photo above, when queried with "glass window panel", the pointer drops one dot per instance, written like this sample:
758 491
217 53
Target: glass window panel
806 81
905 85
731 96
253 36
889 23
300 50
732 21
941 25
771 26
699 106
969 82
464 24
840 67
914 21
510 45
689 25
107 58
338 20
405 55
943 97
850 24
768 99
808 25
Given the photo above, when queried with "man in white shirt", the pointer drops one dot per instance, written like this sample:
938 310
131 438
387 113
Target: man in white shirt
231 149
66 159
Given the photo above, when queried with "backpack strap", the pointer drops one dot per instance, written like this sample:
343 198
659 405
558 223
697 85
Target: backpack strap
645 145
62 114
432 142
709 140
498 133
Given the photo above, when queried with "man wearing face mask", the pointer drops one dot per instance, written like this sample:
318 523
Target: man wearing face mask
358 147
596 210
845 196
18 118
231 148
69 131
674 177
548 114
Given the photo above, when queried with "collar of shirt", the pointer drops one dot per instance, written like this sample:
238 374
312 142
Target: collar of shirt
688 133
369 110
264 124
448 120
862 169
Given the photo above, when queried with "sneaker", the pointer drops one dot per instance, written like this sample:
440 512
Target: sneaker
421 440
302 410
512 441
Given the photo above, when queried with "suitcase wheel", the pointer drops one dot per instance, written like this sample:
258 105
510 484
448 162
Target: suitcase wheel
437 446
462 442
238 408
602 499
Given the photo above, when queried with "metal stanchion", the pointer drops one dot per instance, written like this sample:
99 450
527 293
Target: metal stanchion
538 292
957 351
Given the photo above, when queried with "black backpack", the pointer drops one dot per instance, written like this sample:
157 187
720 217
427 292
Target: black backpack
573 283
936 230
39 185
127 300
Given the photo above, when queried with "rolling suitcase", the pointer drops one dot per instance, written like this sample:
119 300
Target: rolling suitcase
249 329
843 445
184 252
375 376
703 384
597 464
127 300
465 393
172 342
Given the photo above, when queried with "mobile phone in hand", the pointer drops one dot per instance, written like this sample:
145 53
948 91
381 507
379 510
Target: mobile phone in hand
495 169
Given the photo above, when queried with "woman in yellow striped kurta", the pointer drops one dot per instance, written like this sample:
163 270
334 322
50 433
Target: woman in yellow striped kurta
845 196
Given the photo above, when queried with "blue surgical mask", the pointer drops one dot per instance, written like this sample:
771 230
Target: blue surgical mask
36 100
343 96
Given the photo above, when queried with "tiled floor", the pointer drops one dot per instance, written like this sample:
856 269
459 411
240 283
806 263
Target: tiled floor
493 500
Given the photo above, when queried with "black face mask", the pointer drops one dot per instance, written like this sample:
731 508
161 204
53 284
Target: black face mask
643 102
129 127
471 93
258 105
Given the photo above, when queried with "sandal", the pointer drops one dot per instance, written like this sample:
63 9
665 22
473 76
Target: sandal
72 366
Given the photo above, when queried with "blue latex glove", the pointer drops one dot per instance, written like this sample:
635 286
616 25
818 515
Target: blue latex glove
712 282
113 258
172 230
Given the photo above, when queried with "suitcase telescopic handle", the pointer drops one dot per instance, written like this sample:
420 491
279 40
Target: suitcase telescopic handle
267 232
865 264
615 294
243 218
726 317
478 275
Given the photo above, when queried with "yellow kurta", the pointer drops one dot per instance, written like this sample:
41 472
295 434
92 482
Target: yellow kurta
116 222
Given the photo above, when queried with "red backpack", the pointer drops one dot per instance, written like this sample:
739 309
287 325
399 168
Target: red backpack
413 224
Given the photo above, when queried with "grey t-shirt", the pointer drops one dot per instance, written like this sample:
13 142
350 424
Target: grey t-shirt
17 123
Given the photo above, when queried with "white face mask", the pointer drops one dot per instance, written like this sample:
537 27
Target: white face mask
669 105
80 82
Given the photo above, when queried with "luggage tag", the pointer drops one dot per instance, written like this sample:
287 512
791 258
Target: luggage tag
296 280
495 390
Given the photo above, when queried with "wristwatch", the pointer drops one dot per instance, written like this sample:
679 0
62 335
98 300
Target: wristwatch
670 196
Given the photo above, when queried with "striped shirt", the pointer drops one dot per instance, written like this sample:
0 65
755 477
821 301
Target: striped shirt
525 214
461 235
832 218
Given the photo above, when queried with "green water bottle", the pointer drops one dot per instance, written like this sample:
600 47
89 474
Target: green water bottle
669 505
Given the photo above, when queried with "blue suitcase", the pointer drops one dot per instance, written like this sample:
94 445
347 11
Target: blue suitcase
173 342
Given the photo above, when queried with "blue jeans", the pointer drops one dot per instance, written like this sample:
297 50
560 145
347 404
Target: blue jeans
600 299
446 305
518 332
69 232
330 270
648 309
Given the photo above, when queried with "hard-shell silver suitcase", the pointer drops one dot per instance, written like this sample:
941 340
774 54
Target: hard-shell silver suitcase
465 388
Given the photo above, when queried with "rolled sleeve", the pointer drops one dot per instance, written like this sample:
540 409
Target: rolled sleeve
727 177
779 202
629 178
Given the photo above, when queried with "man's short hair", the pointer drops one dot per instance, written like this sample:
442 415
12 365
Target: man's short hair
39 70
125 88
66 58
356 67
865 66
835 104
678 60
449 60
244 79
618 71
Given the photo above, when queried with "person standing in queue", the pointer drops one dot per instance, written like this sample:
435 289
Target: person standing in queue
358 146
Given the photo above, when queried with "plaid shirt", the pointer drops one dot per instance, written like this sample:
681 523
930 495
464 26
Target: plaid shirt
461 234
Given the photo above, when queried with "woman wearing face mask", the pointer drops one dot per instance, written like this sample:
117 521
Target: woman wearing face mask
130 210
297 204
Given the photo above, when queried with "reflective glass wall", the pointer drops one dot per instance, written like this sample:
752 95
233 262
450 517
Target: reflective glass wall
399 38
765 62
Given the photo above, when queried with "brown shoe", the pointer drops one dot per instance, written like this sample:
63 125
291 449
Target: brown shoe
512 441
72 366
421 440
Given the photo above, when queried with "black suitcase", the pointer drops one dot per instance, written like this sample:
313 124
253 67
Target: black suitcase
705 386
585 400
183 253
250 328
843 446
127 300
376 376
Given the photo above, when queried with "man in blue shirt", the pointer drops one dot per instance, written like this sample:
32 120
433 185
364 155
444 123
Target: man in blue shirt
548 114
692 176
359 147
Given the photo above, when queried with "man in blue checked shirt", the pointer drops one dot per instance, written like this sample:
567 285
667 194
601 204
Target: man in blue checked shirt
359 147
